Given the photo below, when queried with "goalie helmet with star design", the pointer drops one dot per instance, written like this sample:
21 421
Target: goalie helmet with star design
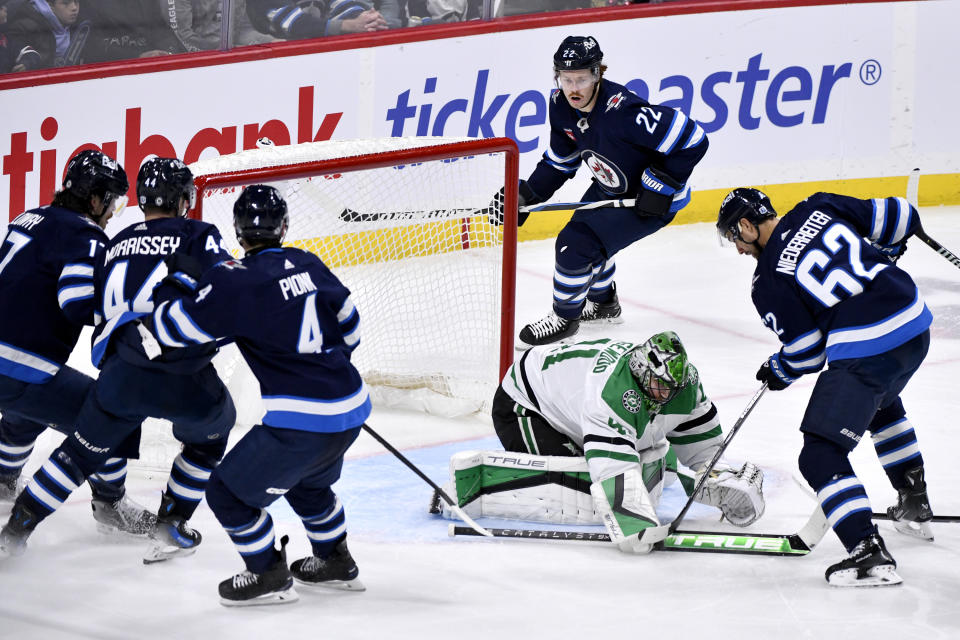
660 366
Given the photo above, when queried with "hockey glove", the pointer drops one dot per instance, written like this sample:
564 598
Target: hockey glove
893 252
774 374
183 263
739 494
625 507
525 197
656 193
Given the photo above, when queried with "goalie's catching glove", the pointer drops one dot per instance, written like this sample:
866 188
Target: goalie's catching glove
739 494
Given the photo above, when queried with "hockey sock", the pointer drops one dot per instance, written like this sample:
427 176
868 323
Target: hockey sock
602 288
845 503
254 541
570 290
187 482
51 485
897 449
107 483
327 528
12 458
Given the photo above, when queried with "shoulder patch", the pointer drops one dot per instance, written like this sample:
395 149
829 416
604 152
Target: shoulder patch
615 101
631 401
570 135
231 264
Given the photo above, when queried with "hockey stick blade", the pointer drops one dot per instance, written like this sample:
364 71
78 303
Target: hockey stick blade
763 544
349 215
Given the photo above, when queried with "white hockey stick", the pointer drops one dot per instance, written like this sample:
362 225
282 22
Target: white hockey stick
913 193
453 505
765 544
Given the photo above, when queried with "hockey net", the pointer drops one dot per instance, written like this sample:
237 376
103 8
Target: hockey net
405 224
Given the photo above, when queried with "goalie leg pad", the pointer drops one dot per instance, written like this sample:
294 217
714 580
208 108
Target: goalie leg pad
626 509
739 494
521 486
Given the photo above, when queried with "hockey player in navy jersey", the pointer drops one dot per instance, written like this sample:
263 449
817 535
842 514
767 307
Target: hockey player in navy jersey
827 286
46 293
634 149
137 378
296 327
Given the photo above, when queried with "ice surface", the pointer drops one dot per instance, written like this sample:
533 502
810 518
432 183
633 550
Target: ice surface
75 583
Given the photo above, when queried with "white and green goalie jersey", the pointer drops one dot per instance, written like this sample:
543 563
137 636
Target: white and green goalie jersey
587 392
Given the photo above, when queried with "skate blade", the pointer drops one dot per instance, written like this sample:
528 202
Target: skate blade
882 576
287 596
338 585
601 321
919 530
111 531
158 553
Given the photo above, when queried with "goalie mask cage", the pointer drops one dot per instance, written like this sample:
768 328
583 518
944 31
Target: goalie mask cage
405 224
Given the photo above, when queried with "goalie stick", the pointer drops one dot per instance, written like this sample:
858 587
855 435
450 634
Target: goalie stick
913 193
763 544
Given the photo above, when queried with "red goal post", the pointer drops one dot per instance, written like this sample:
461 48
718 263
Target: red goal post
405 223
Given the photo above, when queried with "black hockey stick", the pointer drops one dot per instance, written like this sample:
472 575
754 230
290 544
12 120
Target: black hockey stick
885 516
440 492
913 197
579 206
662 532
763 544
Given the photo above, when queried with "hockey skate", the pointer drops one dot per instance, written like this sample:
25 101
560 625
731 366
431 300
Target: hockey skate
869 565
273 586
912 514
602 312
13 537
123 516
337 571
172 537
548 330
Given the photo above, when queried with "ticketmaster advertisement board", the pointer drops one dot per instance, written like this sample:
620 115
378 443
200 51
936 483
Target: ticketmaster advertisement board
854 94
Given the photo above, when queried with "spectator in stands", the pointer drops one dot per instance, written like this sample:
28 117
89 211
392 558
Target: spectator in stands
197 23
126 29
7 55
46 33
299 19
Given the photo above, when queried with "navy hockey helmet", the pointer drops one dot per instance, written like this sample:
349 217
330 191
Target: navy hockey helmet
94 173
163 183
752 204
260 215
578 52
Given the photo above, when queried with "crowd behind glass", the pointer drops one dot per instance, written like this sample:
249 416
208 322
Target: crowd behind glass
44 34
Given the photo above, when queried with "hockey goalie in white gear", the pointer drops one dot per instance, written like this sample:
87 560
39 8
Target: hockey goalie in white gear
593 433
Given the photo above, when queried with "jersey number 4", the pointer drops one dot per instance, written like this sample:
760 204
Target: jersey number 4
311 337
849 276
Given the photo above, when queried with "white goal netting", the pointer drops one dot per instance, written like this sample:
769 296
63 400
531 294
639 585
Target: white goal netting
404 223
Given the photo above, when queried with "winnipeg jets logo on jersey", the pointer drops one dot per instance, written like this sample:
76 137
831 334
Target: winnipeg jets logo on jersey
615 101
606 173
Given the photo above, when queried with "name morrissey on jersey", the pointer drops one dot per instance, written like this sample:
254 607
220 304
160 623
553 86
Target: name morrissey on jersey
143 245
787 262
296 285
